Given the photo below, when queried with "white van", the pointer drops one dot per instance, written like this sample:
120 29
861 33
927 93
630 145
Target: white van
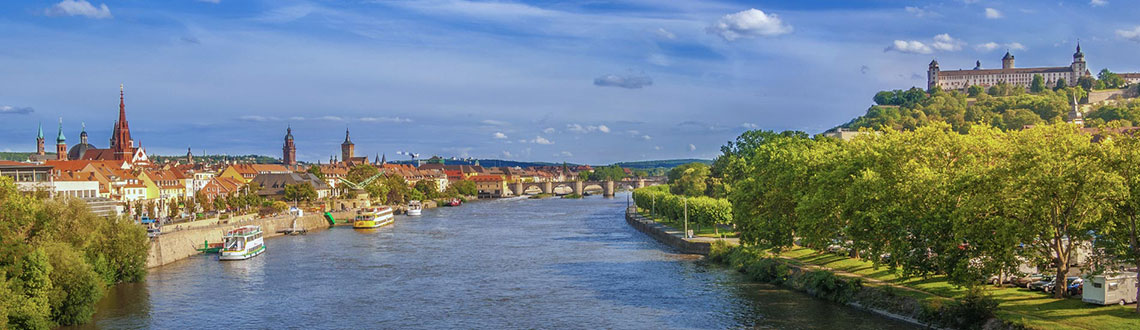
1112 288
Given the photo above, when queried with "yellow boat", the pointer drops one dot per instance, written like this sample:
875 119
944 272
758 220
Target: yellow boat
373 218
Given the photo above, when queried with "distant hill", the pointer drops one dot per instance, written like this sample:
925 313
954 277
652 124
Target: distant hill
256 159
19 156
487 162
666 163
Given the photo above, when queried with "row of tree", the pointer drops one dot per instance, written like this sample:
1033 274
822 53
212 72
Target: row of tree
933 201
700 210
57 258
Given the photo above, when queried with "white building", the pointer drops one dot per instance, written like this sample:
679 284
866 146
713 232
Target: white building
962 79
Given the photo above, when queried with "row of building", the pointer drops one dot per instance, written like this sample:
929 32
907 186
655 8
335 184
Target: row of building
1010 74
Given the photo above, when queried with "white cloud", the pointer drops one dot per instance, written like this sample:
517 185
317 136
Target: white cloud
991 46
506 154
78 8
664 34
945 42
331 118
494 122
499 135
576 128
211 1
627 81
258 118
1132 34
658 59
385 120
7 109
541 140
603 129
548 130
692 147
747 24
633 132
646 137
656 147
1098 3
566 154
750 126
909 47
993 13
919 12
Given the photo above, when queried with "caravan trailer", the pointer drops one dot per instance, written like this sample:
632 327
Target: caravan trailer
1113 288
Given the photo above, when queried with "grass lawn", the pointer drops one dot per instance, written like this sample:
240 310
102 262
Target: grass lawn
1034 308
704 231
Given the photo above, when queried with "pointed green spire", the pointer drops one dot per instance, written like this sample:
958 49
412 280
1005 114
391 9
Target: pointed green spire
41 133
60 138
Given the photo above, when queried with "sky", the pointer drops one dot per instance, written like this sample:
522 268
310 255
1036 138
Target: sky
580 81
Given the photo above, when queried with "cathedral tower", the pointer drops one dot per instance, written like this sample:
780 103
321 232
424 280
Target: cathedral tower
60 143
289 150
346 148
121 144
40 141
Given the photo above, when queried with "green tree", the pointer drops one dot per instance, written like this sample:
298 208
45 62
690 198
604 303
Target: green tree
464 187
300 192
316 170
1086 82
1057 188
689 179
975 90
1121 236
1038 84
1061 84
428 188
1111 80
76 286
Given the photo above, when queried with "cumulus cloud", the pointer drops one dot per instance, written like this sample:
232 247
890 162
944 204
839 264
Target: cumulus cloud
499 135
565 154
506 154
385 119
919 12
692 147
656 147
627 81
258 118
993 13
78 8
945 42
992 46
494 122
1098 3
603 129
664 34
749 126
576 128
748 24
10 110
1130 34
646 137
541 140
909 47
548 130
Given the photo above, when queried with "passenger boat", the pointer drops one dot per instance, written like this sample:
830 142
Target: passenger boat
373 217
415 208
242 243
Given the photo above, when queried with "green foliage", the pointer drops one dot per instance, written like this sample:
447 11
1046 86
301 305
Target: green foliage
828 286
316 170
608 173
689 179
1061 84
429 189
1038 84
1110 80
899 97
972 311
975 90
464 187
1005 106
572 196
702 210
56 258
300 192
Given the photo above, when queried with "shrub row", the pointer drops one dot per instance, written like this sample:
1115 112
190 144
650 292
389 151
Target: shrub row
704 211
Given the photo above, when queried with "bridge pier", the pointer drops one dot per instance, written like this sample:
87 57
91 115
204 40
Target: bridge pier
609 189
578 187
548 188
519 188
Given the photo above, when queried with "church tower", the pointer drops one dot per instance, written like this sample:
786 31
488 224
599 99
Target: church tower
932 75
1079 66
121 144
40 141
289 150
346 148
189 156
1007 61
60 143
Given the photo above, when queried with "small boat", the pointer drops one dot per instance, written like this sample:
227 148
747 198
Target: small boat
373 218
242 243
455 202
210 248
415 208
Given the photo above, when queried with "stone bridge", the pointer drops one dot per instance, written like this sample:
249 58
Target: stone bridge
579 187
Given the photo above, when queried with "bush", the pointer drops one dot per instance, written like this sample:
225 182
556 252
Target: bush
973 311
705 211
828 286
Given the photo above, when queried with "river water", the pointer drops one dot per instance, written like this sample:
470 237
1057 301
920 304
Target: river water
549 263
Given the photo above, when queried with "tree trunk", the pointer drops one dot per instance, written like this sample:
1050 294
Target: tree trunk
1059 281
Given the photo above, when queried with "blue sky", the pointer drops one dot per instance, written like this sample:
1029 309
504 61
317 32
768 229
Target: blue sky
580 81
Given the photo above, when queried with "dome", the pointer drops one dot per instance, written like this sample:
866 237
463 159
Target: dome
78 150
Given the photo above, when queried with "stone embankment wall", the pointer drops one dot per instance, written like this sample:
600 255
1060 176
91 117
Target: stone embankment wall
181 244
668 235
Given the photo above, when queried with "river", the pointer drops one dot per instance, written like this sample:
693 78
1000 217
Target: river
548 263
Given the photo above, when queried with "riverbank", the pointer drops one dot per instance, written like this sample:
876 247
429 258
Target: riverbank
671 236
185 241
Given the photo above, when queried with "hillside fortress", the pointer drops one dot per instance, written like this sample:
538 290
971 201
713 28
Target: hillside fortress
962 79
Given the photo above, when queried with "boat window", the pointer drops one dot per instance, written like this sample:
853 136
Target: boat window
1112 286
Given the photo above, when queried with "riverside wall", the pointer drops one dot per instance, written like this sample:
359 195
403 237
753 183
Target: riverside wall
181 244
668 235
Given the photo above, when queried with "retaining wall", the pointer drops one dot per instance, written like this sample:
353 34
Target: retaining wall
668 235
178 245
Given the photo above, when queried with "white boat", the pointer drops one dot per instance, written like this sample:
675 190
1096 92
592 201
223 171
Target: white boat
242 243
373 218
415 208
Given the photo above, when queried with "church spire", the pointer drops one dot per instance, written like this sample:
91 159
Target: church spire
60 138
40 135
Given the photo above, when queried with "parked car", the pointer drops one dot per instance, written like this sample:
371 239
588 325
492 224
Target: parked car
1040 285
153 232
1025 281
1076 288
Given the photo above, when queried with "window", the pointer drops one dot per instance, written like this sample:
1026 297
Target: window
1112 286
